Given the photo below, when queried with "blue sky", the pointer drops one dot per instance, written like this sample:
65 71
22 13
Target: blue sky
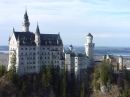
107 20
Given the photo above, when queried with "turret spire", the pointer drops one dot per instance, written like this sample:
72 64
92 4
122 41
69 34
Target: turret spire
26 22
13 29
26 16
37 29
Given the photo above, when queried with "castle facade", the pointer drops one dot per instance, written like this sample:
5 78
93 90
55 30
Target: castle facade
32 50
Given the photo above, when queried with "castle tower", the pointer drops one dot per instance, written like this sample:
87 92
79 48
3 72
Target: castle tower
26 23
120 63
89 48
71 48
37 36
37 42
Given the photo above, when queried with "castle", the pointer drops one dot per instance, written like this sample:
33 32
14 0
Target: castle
32 50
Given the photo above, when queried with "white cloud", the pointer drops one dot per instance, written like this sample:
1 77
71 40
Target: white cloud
115 35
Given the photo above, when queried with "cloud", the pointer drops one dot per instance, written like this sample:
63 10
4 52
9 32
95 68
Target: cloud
115 35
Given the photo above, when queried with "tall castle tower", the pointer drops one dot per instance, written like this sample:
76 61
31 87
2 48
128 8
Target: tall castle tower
38 46
26 23
120 63
89 48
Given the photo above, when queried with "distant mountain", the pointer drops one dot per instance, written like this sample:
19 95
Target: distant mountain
4 48
97 50
104 50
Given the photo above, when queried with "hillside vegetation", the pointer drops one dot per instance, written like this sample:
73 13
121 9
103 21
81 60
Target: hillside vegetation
51 82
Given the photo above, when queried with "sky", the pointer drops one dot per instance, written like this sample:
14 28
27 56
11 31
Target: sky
107 20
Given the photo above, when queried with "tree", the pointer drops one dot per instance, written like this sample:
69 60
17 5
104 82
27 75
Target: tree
44 81
63 84
48 74
109 73
96 73
34 82
103 73
2 70
120 81
126 93
12 75
82 93
23 90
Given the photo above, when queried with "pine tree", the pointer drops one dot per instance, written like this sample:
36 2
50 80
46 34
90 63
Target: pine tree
2 70
48 74
34 82
23 90
82 93
44 81
12 75
103 74
63 84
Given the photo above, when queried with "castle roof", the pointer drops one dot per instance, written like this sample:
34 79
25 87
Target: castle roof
37 30
90 35
28 38
73 54
26 16
70 46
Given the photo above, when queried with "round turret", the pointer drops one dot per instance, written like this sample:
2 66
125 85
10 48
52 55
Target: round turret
37 30
26 22
71 48
120 63
37 35
89 38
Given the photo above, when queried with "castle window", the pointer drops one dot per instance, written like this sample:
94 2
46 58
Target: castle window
21 58
21 53
33 53
48 53
33 48
48 57
45 53
33 62
48 48
25 48
45 57
26 53
21 48
43 48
